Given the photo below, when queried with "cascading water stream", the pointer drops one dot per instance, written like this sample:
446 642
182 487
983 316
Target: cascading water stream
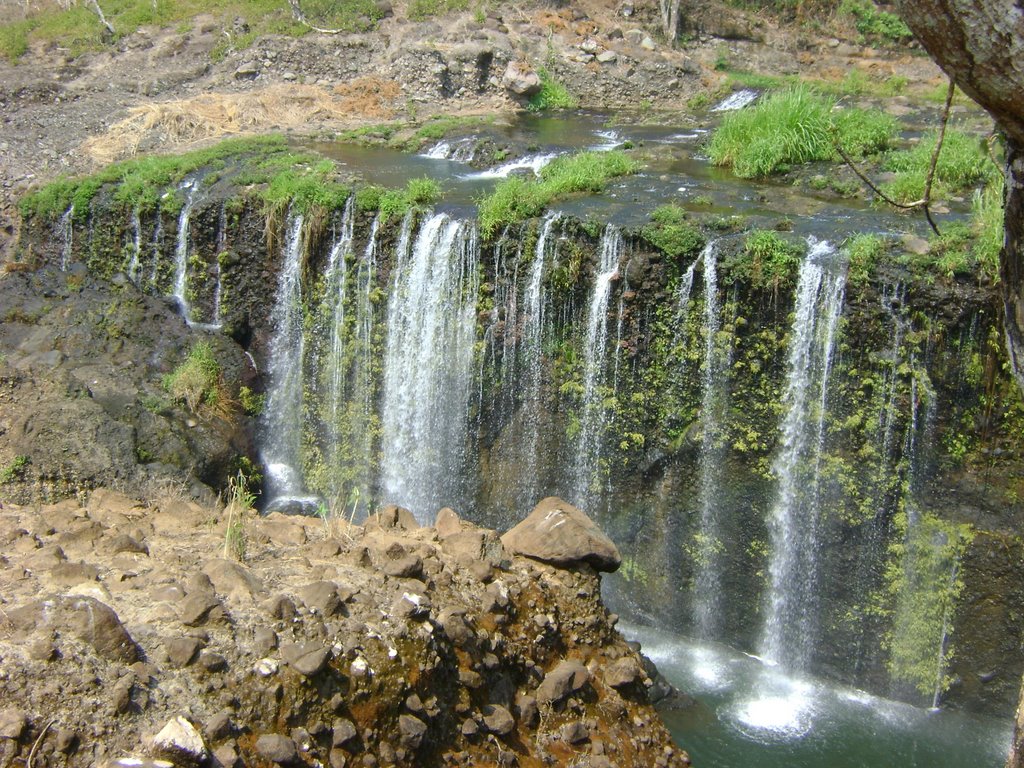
282 416
428 367
158 233
181 251
595 351
133 261
67 237
790 626
337 275
708 592
531 356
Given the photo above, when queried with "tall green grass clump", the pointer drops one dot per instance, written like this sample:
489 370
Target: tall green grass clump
516 199
987 222
552 95
963 163
792 127
767 260
197 381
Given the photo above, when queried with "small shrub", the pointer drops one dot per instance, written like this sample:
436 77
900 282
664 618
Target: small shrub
671 233
240 501
197 381
876 24
864 251
516 199
552 95
14 470
767 260
987 222
252 403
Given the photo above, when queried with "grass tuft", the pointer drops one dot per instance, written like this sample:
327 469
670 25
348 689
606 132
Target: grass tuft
963 163
792 127
552 95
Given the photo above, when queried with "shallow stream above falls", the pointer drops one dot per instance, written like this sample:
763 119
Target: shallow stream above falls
675 170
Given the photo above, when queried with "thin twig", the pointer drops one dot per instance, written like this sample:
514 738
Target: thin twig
924 202
930 178
39 740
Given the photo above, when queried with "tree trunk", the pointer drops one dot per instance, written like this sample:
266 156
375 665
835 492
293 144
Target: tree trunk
980 44
670 19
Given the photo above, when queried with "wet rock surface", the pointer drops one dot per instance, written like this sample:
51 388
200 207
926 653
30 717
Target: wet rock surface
304 653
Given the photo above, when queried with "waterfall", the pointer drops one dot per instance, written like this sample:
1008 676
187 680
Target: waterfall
181 251
790 625
67 236
133 261
710 543
337 275
282 416
595 351
158 233
531 357
428 367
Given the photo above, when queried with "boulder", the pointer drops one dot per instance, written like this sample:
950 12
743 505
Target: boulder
181 743
568 677
521 79
92 622
556 532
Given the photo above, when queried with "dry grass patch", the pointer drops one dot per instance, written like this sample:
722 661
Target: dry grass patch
209 116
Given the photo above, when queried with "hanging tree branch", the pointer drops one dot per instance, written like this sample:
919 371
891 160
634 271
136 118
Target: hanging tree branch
926 201
301 18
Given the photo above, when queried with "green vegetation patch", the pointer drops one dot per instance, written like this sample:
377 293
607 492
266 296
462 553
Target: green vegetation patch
424 9
197 381
417 194
796 126
141 182
864 251
963 163
671 233
874 24
923 580
552 95
13 470
77 28
767 260
516 199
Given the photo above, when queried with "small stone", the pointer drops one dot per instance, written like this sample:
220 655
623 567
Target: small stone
648 43
181 651
498 720
12 723
407 567
277 749
212 662
607 57
623 672
575 732
447 523
125 543
411 731
219 726
526 708
342 732
180 742
568 677
321 597
469 727
199 608
410 605
250 70
307 658
264 639
266 667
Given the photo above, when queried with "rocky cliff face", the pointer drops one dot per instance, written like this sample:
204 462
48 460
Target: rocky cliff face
127 635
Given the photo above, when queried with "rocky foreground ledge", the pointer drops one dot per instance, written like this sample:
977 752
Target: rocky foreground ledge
127 639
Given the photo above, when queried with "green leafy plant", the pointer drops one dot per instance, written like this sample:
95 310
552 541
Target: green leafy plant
251 402
875 24
13 470
552 94
671 233
864 252
963 162
767 260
